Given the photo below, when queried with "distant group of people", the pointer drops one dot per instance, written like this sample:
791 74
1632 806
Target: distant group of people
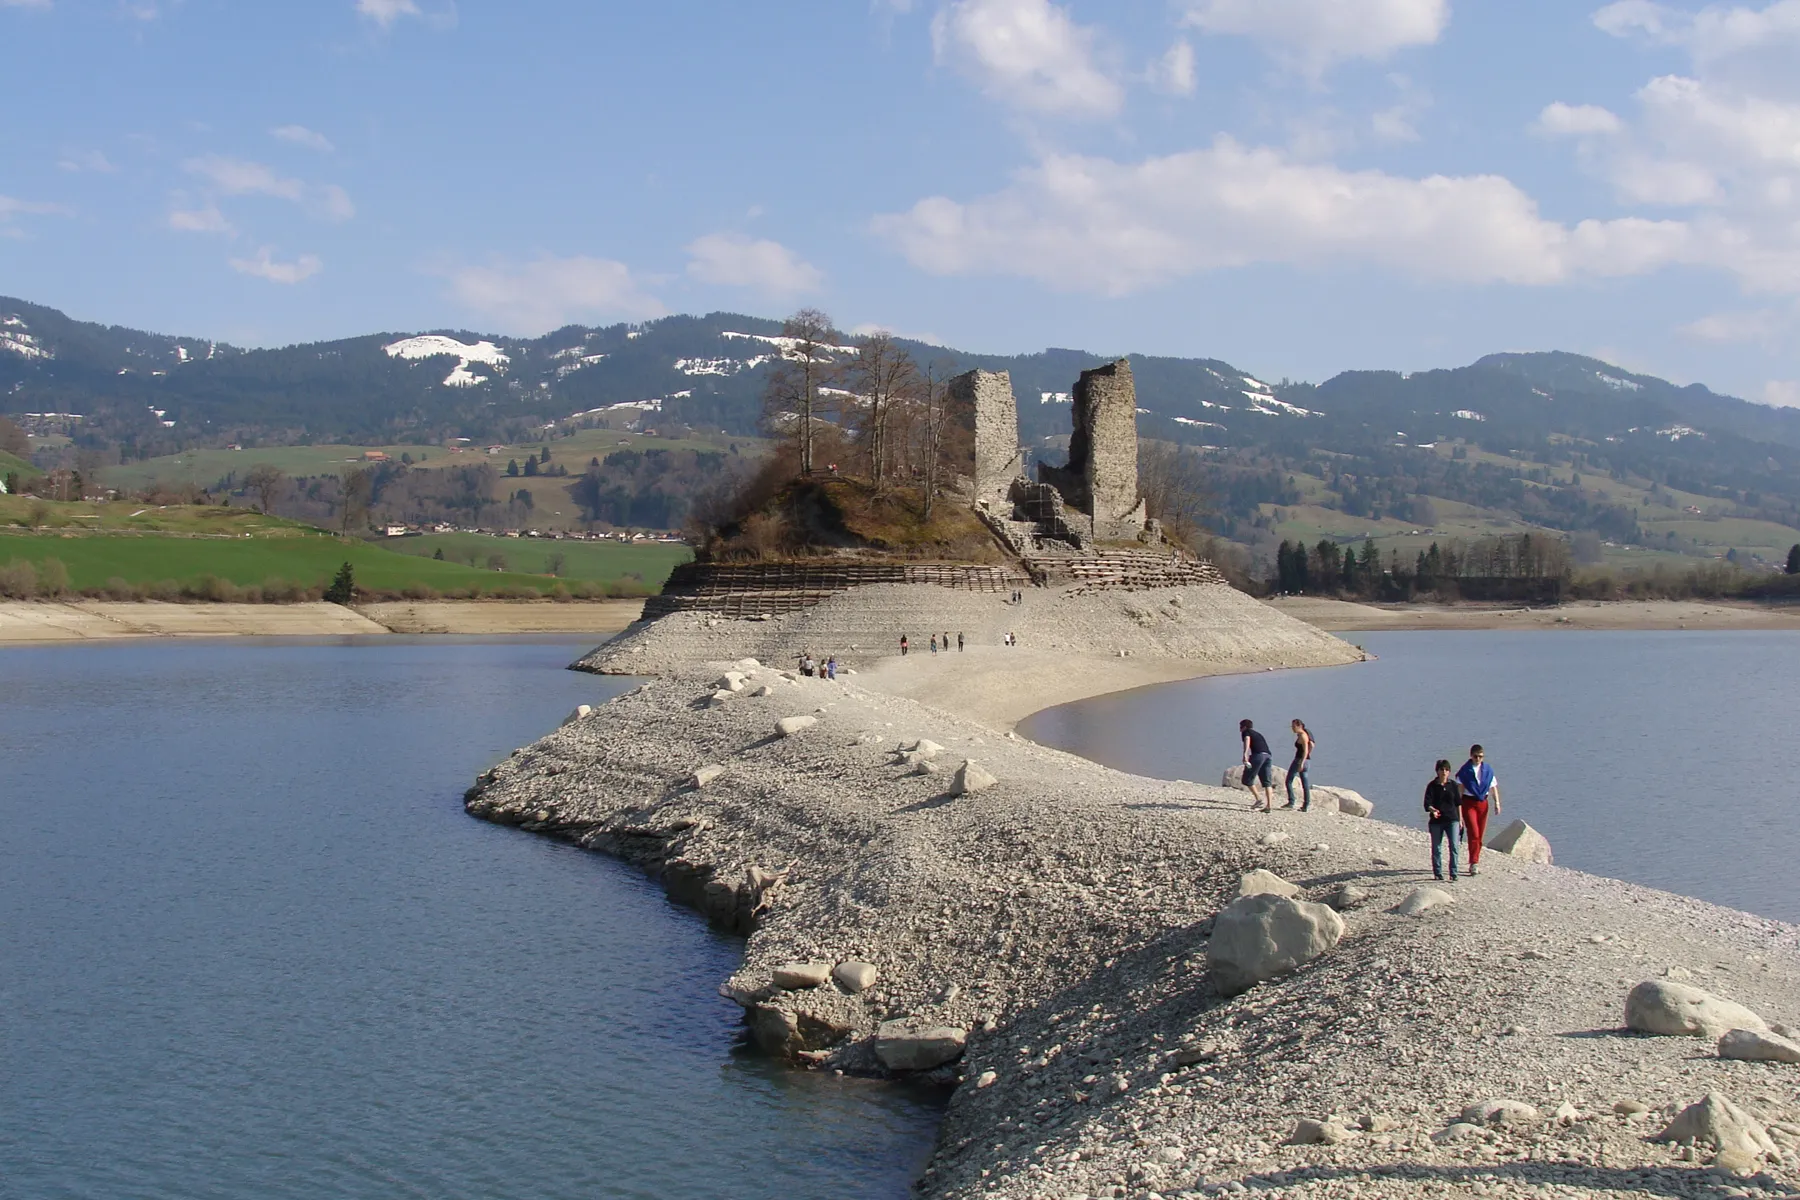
813 667
942 642
1456 803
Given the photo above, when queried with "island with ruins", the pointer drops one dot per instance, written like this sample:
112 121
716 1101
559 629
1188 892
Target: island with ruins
1136 987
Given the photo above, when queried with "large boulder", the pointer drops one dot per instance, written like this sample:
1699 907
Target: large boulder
1265 883
1234 778
1263 937
903 1046
1501 1112
1522 841
731 681
1715 1121
1673 1009
1422 900
792 976
581 713
1342 800
789 726
854 976
971 777
1755 1046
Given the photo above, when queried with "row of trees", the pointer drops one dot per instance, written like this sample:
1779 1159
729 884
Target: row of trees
1513 567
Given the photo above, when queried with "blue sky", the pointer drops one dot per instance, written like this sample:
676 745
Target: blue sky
1296 186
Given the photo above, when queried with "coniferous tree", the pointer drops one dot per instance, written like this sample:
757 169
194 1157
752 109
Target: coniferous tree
1793 562
343 586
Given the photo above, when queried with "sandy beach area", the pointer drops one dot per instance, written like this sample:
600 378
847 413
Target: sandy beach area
1345 616
42 622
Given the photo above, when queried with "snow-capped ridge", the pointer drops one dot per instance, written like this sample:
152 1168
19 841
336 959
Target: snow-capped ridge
434 345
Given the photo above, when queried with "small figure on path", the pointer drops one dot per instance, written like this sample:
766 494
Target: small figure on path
1478 786
934 643
1443 805
1259 766
831 667
959 644
808 664
903 645
1303 751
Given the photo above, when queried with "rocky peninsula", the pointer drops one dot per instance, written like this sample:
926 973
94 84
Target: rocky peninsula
1138 987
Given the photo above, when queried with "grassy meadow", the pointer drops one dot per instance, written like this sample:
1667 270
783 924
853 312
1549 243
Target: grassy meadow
647 563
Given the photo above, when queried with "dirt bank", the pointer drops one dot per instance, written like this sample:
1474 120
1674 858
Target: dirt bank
1344 616
46 621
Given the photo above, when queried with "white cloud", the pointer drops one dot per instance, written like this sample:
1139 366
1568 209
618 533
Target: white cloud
86 160
1095 225
265 266
12 208
1753 326
205 219
300 135
545 294
24 3
1029 54
1313 34
385 12
1576 120
738 261
1782 393
1715 32
1173 73
237 177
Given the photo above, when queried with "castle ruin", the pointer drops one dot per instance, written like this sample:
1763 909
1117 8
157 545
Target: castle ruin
1101 478
987 396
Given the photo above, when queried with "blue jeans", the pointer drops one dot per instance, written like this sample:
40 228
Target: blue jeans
1297 770
1441 832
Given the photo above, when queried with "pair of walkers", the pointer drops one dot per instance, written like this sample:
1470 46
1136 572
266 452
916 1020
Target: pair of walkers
1259 765
1459 803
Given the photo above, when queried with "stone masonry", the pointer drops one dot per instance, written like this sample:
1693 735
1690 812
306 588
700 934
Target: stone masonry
999 459
1101 477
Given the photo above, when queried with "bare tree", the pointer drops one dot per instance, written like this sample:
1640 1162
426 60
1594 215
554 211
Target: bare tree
935 426
359 489
13 440
265 480
792 395
1173 481
884 379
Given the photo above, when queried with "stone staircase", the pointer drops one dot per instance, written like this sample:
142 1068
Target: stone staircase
770 589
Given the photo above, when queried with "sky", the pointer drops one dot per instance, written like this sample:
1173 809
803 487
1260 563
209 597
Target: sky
1298 187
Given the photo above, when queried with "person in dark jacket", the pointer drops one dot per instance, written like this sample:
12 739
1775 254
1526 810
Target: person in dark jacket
1259 766
1443 808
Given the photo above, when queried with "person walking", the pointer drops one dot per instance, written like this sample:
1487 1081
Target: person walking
1303 752
1479 787
934 643
1259 766
1443 805
903 645
959 644
831 668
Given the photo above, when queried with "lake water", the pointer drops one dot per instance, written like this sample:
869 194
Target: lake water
1665 758
250 946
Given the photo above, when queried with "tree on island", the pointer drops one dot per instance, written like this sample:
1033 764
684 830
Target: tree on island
343 586
265 480
792 396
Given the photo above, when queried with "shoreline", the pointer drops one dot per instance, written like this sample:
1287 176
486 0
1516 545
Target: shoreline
1057 924
48 622
1345 616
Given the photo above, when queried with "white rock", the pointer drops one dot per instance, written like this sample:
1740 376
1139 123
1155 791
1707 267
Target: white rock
1276 838
854 976
731 681
1342 800
1715 1121
1461 1131
1265 936
903 1046
747 664
1522 841
581 711
1349 895
1318 1133
718 699
1234 778
789 726
705 775
1501 1112
924 747
767 689
790 976
926 767
1756 1046
1566 1114
1265 883
986 1079
1423 900
1678 1010
971 777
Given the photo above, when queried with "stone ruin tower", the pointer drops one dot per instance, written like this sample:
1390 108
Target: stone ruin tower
988 397
1101 478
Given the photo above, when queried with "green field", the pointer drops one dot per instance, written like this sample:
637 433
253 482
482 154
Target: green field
208 467
10 463
598 562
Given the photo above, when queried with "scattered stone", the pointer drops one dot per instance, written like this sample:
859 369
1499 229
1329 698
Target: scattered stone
1715 1121
1265 883
867 737
854 976
1461 1131
1347 896
1755 1046
719 699
789 726
731 681
1260 937
1522 841
926 767
1375 1123
1275 838
1677 1010
902 1046
705 775
1422 900
986 1079
923 747
1566 1114
971 777
582 711
793 976
1318 1133
1629 1107
767 689
1501 1112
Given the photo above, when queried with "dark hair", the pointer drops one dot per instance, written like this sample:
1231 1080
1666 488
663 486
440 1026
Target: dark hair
1305 730
1244 725
1443 764
1476 749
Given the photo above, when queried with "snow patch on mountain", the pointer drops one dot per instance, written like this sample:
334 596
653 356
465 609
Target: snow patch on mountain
720 366
786 345
1269 406
434 345
577 361
1467 414
1617 384
14 336
1197 424
1054 398
1676 432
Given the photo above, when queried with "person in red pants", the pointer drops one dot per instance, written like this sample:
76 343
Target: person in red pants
1479 787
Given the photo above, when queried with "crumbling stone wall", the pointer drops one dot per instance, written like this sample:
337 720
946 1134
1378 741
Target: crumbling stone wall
1101 477
987 397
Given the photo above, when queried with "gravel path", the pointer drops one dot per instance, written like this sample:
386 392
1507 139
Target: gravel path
1059 921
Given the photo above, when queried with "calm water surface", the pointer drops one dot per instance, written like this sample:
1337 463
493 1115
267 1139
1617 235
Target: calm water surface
1666 758
250 946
